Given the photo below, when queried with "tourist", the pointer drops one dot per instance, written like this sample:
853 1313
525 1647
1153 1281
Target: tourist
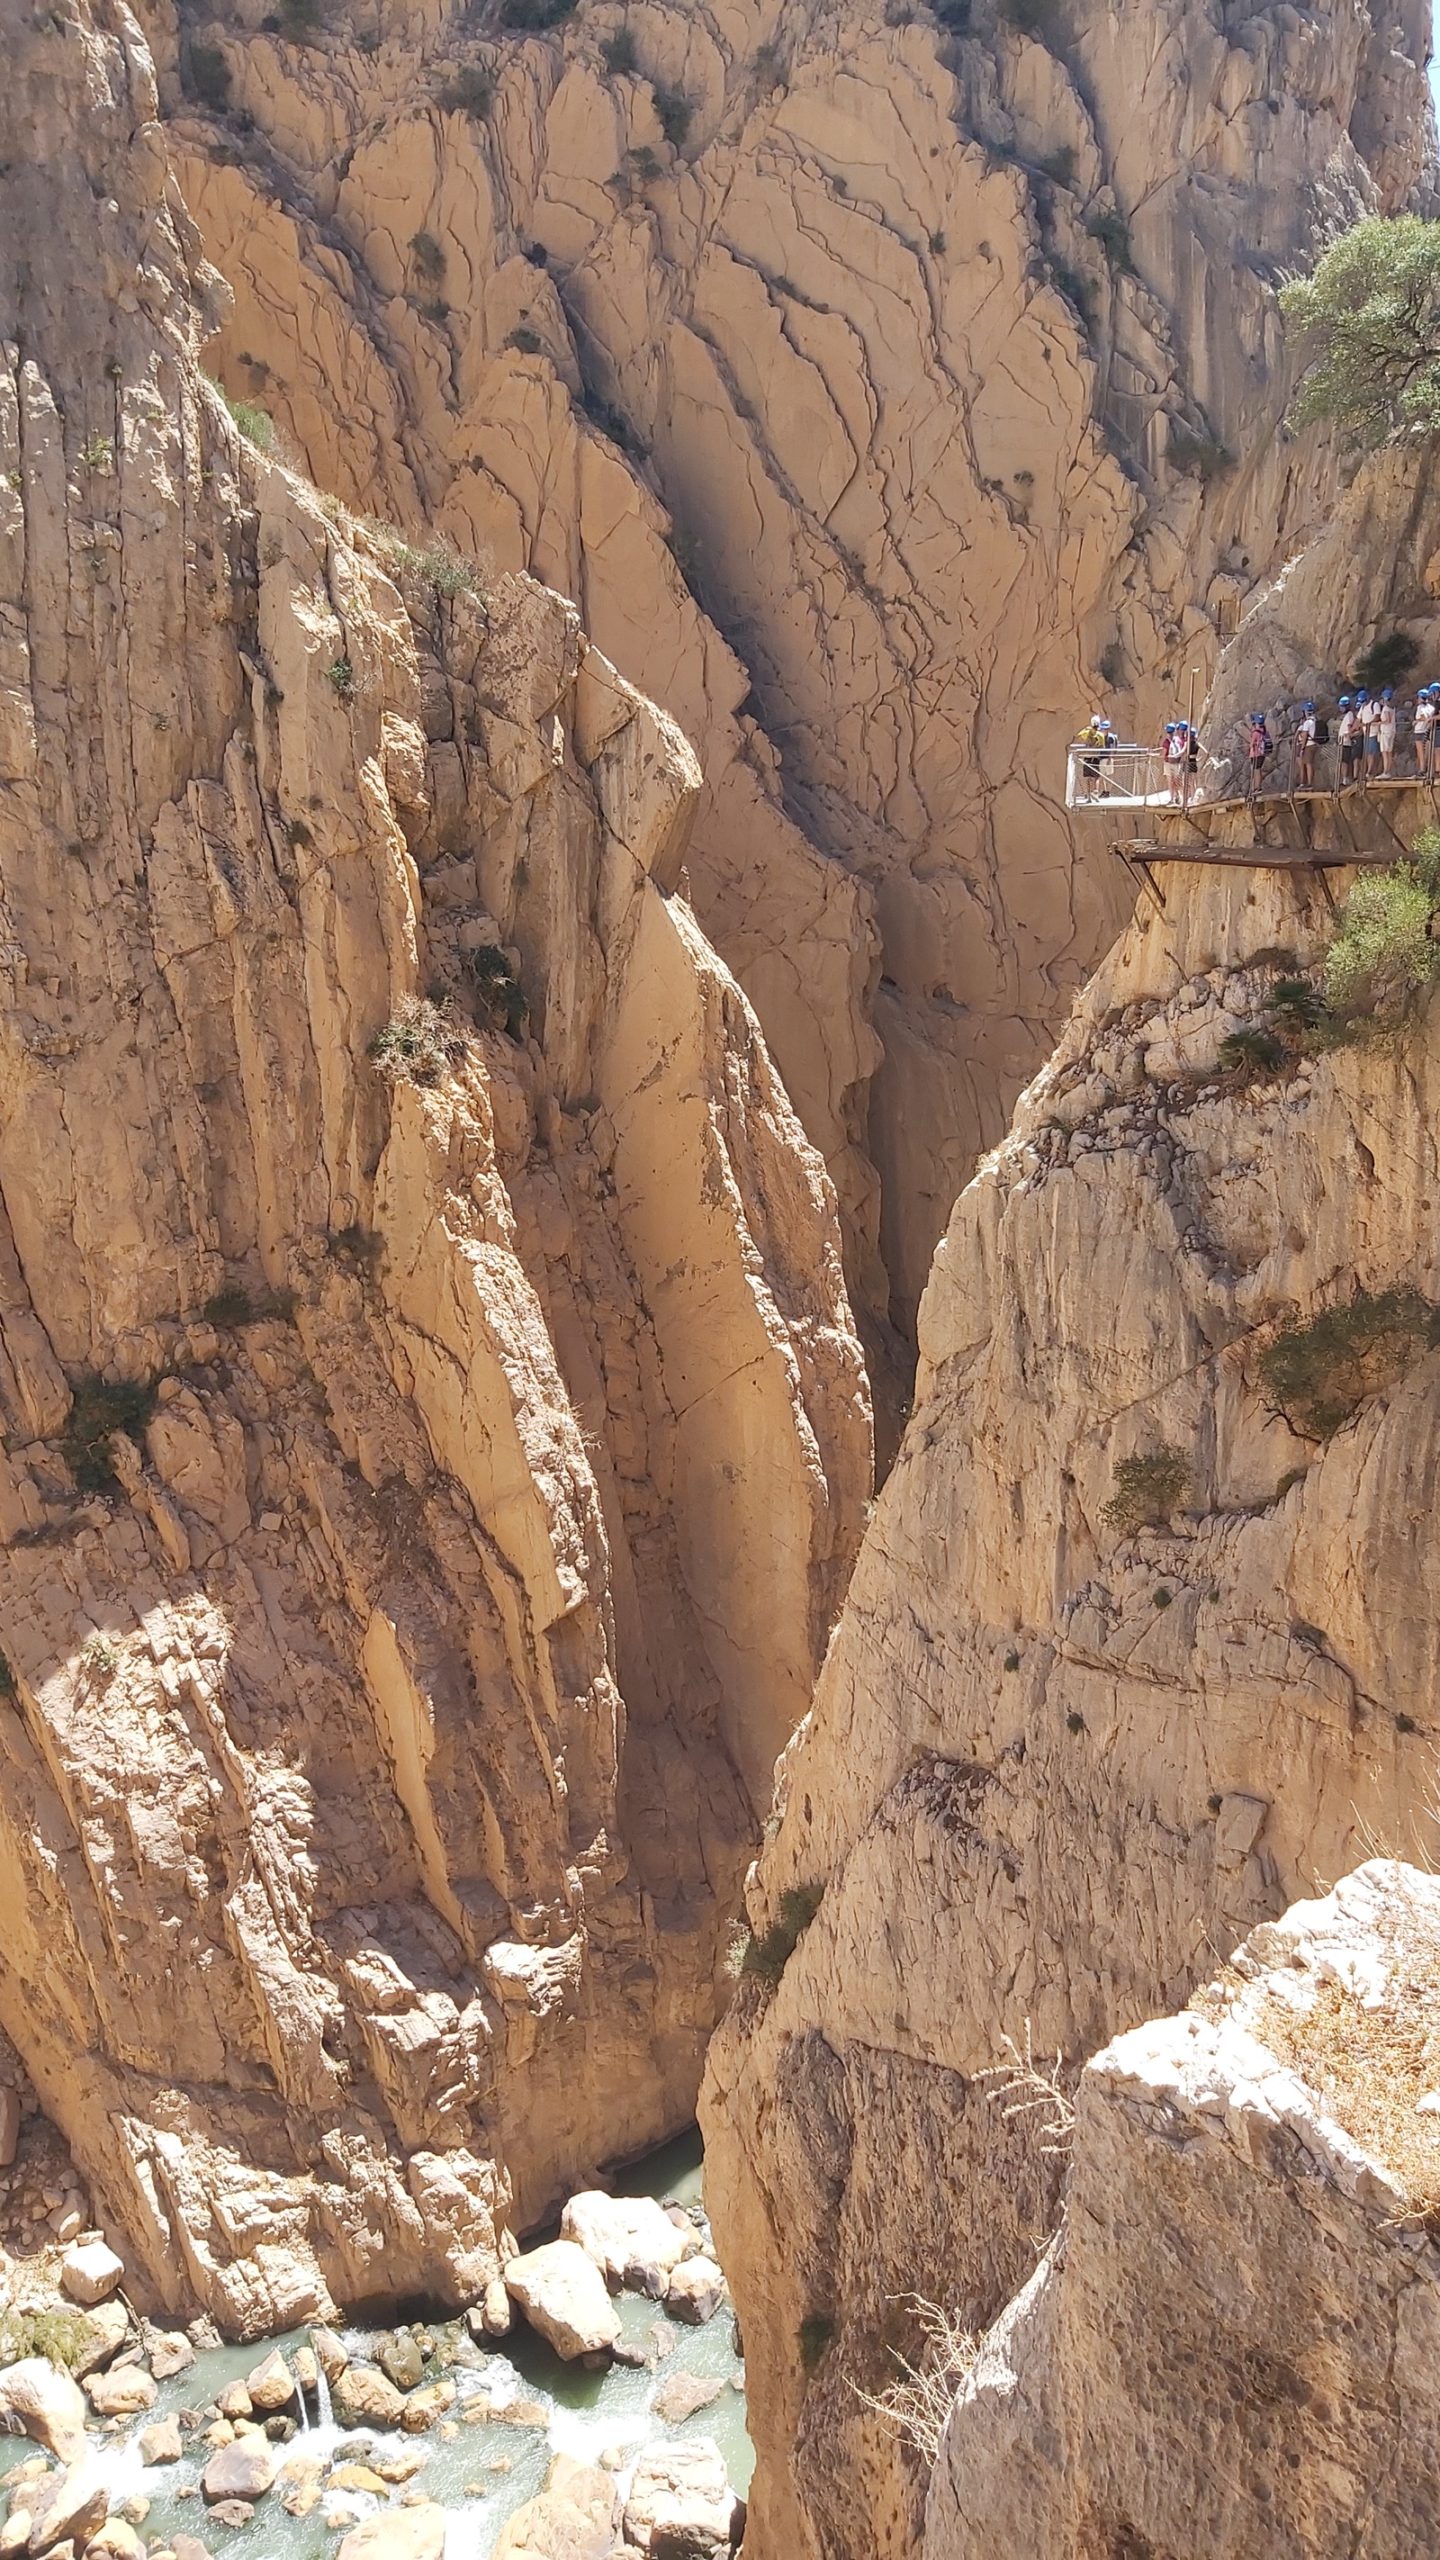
1370 733
1259 750
1305 735
1092 736
1192 759
1322 740
1425 730
1174 751
1348 733
1385 732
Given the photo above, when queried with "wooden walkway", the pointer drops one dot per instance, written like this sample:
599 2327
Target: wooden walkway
1138 853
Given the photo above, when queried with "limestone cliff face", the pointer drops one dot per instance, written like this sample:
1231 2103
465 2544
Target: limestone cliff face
1054 1765
389 1702
1368 568
1245 2269
881 392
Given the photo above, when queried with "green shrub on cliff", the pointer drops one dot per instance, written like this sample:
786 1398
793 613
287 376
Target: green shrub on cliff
1368 321
1148 1490
65 2338
1319 1373
1382 956
765 1958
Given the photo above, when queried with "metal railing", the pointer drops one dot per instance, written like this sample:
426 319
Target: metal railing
1132 777
1115 777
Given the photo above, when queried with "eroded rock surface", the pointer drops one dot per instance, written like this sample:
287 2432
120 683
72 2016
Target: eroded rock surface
392 1676
882 394
1231 2348
1058 1758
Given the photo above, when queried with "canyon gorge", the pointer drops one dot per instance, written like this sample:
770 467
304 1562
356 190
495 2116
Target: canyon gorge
551 1010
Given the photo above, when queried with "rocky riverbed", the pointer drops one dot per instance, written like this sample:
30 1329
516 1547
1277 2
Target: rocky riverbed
593 2403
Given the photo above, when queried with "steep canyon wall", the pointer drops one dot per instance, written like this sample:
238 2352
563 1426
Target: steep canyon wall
415 1283
1060 1760
882 390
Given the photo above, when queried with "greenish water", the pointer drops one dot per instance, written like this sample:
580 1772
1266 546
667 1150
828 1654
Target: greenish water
585 2414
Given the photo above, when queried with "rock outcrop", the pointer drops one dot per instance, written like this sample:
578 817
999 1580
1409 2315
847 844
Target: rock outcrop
1231 2348
1082 1725
415 1280
883 392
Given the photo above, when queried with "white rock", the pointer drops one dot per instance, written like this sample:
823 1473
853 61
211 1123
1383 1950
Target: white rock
562 2294
625 2232
68 2507
681 2504
401 2533
90 2271
39 2401
121 2391
271 2385
696 2292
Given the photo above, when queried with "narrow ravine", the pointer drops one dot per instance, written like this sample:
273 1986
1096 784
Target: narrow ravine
515 2407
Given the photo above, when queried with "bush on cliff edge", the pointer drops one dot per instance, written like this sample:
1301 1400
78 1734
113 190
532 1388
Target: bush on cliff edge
1368 320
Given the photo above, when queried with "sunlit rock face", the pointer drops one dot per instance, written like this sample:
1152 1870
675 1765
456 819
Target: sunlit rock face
884 395
1075 1736
416 1284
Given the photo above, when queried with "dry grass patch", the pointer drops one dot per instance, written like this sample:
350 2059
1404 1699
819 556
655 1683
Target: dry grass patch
1372 2066
918 2402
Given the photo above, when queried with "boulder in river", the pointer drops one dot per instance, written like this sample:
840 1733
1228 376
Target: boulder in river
562 2294
696 2292
400 2359
681 2394
161 2443
67 2506
401 2533
169 2351
681 2505
120 2391
631 2239
425 2406
39 2401
331 2353
271 2385
356 2476
116 2540
103 2333
491 2316
575 2517
90 2271
244 2469
362 2396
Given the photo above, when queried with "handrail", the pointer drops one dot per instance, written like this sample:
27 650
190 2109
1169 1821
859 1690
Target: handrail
1135 777
1124 775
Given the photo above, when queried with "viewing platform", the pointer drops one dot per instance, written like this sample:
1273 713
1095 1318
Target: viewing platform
1363 826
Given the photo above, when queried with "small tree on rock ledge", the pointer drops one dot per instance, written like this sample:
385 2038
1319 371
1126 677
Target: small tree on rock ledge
1368 320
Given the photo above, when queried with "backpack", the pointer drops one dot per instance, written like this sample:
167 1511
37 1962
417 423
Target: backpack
1322 730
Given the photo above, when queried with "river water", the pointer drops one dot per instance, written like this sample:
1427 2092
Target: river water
487 2467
